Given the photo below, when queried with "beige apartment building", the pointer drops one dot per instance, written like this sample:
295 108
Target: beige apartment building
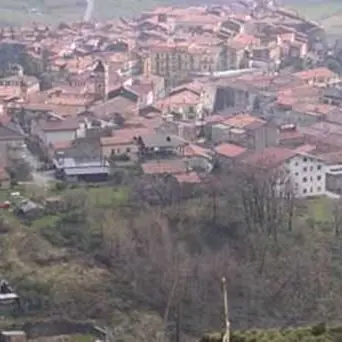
176 62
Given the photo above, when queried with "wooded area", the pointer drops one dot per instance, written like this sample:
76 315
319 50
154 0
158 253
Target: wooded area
109 254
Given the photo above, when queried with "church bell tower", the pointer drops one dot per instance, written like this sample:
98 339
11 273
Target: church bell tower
100 80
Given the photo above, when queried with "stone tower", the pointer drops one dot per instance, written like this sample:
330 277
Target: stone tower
100 80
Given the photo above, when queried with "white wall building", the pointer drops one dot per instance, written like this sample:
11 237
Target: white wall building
307 174
305 171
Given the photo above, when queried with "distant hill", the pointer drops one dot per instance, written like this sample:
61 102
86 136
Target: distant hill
53 11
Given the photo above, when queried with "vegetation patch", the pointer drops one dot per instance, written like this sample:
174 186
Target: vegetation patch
316 333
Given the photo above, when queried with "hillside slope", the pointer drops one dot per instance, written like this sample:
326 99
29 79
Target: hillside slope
127 264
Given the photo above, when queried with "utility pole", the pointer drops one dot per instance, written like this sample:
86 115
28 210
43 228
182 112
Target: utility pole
226 336
178 323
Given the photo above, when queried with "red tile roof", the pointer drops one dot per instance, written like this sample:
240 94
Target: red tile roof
124 136
305 148
269 158
190 178
195 150
290 135
164 166
317 72
61 145
59 125
230 150
245 121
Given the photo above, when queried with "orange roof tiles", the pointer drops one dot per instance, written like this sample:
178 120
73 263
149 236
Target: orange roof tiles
195 150
315 109
194 86
290 135
182 98
62 110
305 148
59 125
124 136
164 166
189 178
61 145
244 121
9 91
269 158
317 72
230 150
245 39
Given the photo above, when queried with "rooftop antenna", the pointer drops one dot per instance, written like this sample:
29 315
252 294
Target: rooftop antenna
226 336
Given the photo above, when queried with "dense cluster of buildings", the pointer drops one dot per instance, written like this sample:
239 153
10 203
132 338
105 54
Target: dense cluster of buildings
177 91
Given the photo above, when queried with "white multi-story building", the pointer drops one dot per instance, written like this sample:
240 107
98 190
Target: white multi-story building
305 171
307 174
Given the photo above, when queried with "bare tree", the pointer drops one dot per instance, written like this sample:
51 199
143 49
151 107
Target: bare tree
337 215
267 199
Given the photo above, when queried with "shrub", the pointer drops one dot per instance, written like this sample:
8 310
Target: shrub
319 329
60 186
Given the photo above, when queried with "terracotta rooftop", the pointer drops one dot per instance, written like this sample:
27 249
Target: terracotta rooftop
61 145
188 178
182 98
332 157
321 72
195 150
124 136
245 121
269 158
229 150
59 125
306 148
288 135
172 167
315 109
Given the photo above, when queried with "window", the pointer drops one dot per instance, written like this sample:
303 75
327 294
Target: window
296 163
128 149
305 179
296 174
311 168
305 191
319 177
319 167
305 169
319 188
310 189
305 159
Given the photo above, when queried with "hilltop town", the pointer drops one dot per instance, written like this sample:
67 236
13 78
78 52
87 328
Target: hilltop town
144 158
193 86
